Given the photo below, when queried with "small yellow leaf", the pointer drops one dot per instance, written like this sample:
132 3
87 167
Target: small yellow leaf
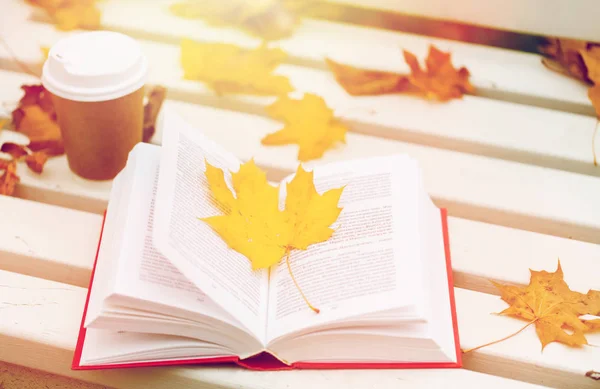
308 123
228 68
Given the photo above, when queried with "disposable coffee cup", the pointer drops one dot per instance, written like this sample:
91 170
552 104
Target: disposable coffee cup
96 80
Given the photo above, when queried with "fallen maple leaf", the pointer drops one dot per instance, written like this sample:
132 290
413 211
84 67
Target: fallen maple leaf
40 128
156 97
36 161
254 225
591 59
268 19
14 150
554 309
228 68
9 178
308 123
564 57
71 14
367 82
35 117
439 80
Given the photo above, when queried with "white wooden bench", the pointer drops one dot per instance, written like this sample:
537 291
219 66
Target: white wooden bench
513 165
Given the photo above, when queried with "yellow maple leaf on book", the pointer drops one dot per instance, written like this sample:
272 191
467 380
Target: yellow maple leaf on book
253 224
227 68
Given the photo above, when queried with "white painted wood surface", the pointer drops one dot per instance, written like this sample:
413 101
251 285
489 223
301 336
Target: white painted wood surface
30 234
569 19
57 309
497 73
471 186
498 159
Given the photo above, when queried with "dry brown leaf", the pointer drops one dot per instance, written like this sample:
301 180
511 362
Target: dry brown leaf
40 128
9 178
591 59
228 68
359 82
71 14
439 80
16 151
36 161
156 97
566 52
35 117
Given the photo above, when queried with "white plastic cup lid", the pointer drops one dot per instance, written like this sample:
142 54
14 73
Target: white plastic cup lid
95 66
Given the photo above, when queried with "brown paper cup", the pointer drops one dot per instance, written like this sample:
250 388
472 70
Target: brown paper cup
96 80
98 136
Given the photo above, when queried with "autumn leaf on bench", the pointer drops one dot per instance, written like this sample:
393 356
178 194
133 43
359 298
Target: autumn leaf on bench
9 177
555 310
439 80
267 19
358 81
253 224
227 68
577 59
309 123
580 60
71 14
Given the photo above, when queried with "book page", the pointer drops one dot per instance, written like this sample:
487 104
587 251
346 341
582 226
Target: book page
183 198
142 272
370 264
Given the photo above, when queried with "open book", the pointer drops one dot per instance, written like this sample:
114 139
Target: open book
166 289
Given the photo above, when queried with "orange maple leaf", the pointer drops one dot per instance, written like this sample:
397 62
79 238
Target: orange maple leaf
359 82
71 14
36 161
440 80
591 58
564 57
549 304
156 97
14 150
9 177
36 118
40 128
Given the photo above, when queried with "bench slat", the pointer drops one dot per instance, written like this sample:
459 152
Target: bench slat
57 309
497 73
469 186
573 19
48 242
473 124
32 244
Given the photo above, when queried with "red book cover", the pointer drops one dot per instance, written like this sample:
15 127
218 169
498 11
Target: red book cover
266 361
